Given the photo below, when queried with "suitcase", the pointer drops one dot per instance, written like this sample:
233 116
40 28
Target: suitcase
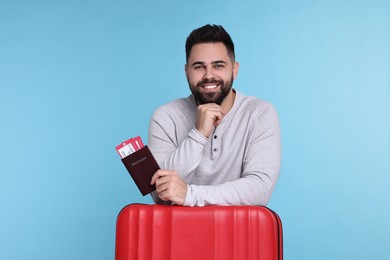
160 232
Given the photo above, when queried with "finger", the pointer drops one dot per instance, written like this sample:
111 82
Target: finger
215 107
223 112
217 122
164 196
218 118
160 173
157 175
164 183
218 109
207 107
161 187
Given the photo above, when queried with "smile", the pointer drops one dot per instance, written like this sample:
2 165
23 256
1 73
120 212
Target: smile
210 86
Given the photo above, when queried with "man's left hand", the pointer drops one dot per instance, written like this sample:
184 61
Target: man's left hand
169 186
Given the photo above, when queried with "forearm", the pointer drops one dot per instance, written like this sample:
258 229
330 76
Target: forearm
245 191
183 158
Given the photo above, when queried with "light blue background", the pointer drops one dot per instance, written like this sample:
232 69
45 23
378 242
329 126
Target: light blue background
79 77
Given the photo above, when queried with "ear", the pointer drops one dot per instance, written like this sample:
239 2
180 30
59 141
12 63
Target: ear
236 66
185 70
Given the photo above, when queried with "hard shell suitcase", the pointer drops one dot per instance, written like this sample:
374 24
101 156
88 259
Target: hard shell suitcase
158 232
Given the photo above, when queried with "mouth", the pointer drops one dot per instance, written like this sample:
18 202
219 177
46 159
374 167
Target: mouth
210 87
214 86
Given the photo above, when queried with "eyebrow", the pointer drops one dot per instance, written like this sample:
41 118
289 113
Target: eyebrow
218 61
203 63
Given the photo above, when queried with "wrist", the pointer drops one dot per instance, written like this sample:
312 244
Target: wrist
201 134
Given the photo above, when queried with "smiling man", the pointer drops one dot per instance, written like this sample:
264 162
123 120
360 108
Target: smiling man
217 146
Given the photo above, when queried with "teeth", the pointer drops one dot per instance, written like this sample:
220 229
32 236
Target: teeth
210 87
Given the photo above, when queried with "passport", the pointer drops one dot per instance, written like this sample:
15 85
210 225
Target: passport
141 166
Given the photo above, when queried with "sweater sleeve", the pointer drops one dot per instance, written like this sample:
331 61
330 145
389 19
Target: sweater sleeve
171 154
260 171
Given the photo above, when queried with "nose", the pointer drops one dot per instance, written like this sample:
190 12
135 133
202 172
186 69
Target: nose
208 73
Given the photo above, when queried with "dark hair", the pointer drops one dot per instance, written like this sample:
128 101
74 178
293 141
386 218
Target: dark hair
210 34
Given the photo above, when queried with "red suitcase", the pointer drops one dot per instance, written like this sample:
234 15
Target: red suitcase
158 232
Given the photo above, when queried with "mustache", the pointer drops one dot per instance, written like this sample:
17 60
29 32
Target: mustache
211 81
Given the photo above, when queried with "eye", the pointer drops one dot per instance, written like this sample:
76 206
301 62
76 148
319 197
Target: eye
198 67
219 66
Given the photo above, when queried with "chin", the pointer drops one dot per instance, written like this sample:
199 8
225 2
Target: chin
216 98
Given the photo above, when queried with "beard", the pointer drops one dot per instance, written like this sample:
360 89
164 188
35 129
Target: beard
211 97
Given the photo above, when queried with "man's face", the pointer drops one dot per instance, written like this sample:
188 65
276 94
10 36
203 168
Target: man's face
210 72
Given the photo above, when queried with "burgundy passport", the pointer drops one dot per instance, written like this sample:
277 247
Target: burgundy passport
141 166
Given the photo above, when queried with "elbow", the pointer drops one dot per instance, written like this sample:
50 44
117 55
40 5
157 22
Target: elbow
263 191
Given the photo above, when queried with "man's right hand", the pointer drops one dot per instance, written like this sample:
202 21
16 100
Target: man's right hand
208 117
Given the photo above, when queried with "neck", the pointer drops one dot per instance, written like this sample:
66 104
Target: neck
228 102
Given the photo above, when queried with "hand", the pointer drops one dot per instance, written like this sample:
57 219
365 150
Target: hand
169 186
208 117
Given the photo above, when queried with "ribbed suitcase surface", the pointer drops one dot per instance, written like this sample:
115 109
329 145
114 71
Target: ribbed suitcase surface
158 232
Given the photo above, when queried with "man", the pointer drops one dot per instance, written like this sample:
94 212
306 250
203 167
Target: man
217 146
